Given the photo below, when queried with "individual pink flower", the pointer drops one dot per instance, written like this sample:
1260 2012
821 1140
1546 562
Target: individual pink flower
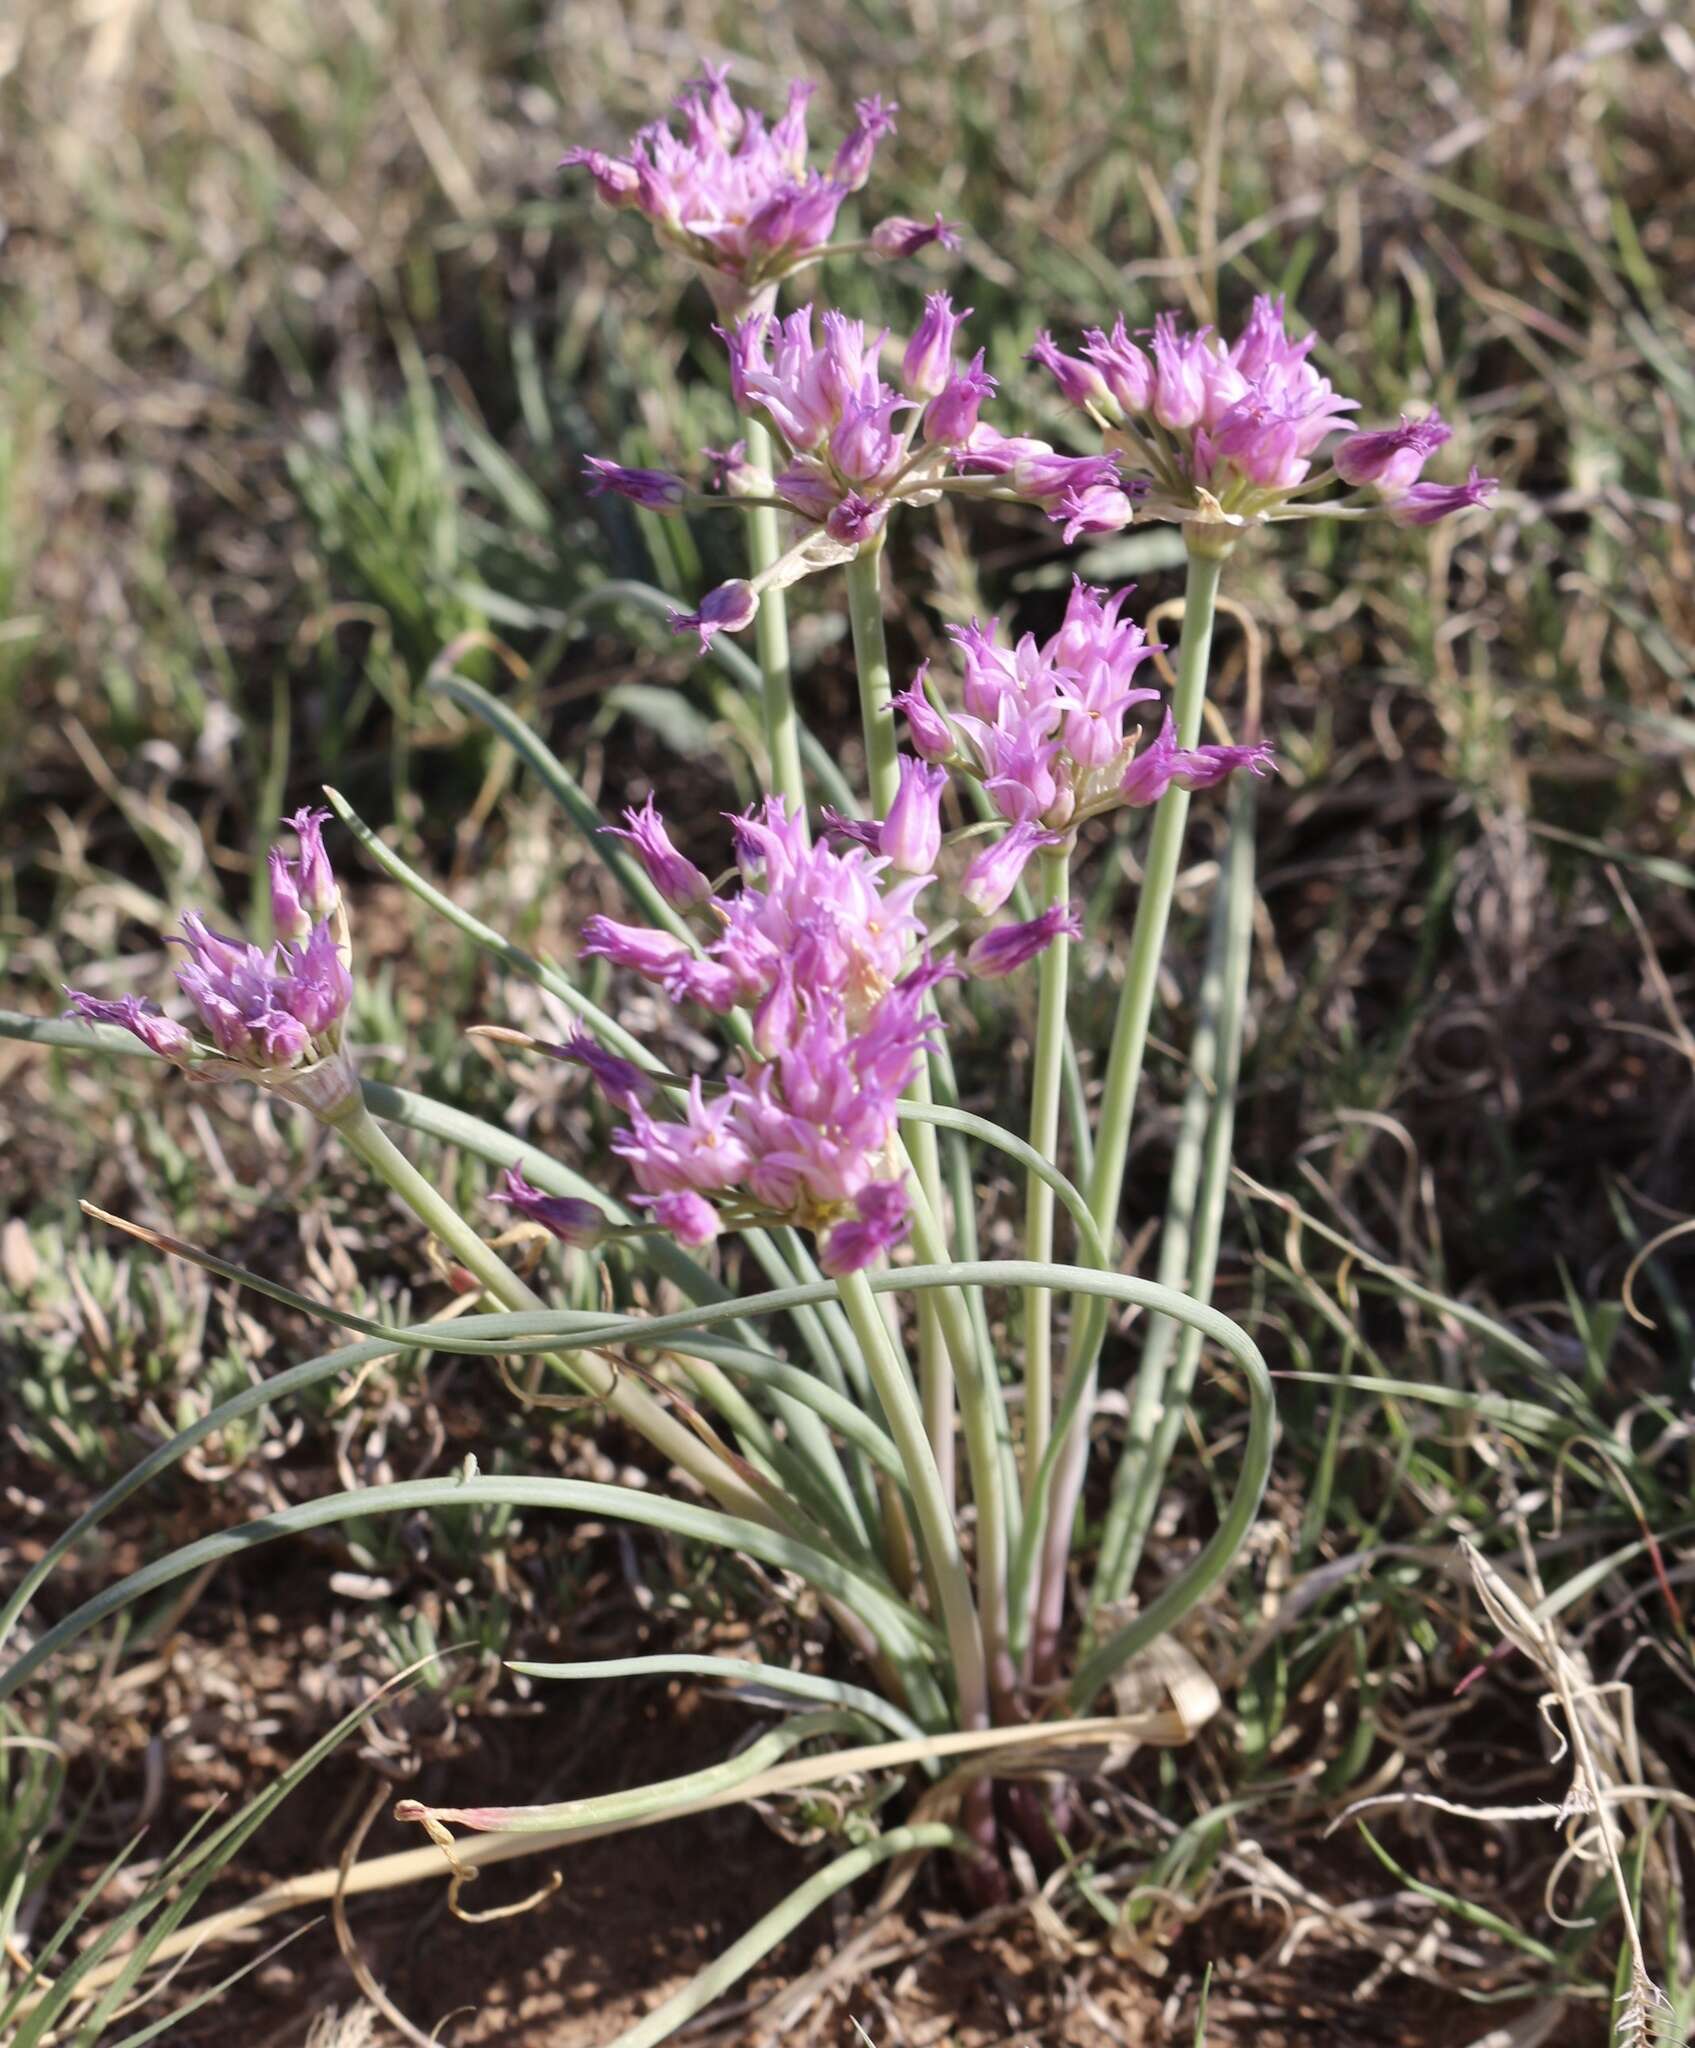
878 1223
1007 947
676 877
1153 771
160 1034
1392 457
927 366
911 835
656 489
727 609
995 872
928 730
899 236
1424 504
689 1217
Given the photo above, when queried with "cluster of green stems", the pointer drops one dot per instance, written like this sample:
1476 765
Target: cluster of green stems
843 1468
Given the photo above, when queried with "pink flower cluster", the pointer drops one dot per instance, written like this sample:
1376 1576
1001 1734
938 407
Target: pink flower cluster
1042 727
736 196
854 445
265 1008
854 442
1242 421
820 946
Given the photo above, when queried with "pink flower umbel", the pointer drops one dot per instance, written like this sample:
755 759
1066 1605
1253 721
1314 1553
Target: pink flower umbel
736 196
818 945
274 1013
1043 726
1228 434
852 446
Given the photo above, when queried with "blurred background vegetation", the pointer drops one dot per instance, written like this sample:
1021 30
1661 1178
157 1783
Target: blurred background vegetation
302 341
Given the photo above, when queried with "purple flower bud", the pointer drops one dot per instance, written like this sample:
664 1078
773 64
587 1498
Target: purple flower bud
745 346
866 832
288 914
631 945
1164 762
927 365
725 610
621 1081
1080 383
159 1033
928 730
689 1217
789 135
573 1222
995 872
1101 508
898 236
951 417
1179 394
856 519
1128 373
315 881
1041 473
879 1224
874 118
911 838
1392 457
657 489
1424 504
1011 946
676 877
617 182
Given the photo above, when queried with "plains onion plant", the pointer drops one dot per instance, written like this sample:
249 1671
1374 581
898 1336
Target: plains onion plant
898 1423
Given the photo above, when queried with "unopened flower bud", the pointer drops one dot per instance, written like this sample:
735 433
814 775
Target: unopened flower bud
727 609
911 837
572 1221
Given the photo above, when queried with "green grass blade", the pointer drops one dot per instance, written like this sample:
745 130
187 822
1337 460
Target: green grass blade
739 1673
